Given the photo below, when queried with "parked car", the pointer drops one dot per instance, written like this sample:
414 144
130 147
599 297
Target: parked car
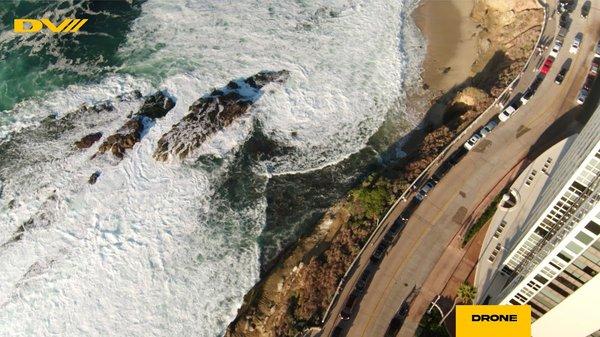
337 332
361 284
564 20
597 51
491 125
425 190
589 80
576 43
379 251
505 115
583 94
397 227
595 66
348 307
469 144
545 68
442 170
457 155
526 96
561 75
536 83
585 9
556 48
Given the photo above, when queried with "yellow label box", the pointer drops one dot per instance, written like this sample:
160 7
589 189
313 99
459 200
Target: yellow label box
493 321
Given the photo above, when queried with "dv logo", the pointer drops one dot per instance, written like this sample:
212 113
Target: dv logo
36 25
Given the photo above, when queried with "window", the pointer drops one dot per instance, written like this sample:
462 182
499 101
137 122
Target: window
541 279
584 238
564 256
575 248
590 271
593 227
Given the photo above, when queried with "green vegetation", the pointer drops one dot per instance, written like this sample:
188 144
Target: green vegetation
429 327
466 293
483 219
372 198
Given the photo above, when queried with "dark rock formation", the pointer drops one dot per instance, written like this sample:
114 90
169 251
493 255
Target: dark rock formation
214 112
154 106
88 140
124 139
94 177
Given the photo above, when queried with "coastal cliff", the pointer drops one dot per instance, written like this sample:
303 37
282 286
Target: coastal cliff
295 294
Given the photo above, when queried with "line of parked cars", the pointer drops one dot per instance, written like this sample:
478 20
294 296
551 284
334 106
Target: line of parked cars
590 78
361 284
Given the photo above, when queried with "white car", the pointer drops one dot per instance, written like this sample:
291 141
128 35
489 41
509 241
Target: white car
576 43
472 141
488 128
556 48
597 52
526 96
505 115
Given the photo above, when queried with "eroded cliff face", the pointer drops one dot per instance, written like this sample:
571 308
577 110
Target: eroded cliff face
508 25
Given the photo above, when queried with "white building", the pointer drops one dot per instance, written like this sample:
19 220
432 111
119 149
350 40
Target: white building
543 247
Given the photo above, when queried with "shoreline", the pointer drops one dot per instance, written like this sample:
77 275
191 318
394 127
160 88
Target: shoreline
451 36
290 297
294 259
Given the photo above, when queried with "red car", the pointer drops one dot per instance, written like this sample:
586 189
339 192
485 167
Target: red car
547 65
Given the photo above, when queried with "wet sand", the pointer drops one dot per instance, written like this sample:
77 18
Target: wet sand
451 41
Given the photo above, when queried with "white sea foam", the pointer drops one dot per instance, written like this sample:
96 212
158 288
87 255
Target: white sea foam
150 249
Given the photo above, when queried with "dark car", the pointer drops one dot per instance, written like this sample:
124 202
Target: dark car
378 254
442 170
361 284
585 9
397 226
564 20
457 155
560 76
536 83
337 332
349 307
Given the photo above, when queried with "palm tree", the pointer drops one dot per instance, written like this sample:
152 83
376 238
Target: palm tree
465 294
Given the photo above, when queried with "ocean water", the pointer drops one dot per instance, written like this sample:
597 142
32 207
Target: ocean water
170 248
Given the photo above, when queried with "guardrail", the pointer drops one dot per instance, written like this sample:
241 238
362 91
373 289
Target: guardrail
425 171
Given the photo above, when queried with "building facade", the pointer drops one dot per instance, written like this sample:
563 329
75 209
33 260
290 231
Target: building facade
555 254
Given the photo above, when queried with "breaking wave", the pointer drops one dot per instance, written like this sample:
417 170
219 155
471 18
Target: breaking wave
169 249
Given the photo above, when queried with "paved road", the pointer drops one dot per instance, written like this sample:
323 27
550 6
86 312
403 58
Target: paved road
451 203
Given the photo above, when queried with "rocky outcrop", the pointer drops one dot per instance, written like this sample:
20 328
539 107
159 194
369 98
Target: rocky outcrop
124 139
88 140
94 177
154 106
214 112
512 25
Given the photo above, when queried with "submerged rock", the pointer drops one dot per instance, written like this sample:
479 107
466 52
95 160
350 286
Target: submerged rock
214 112
155 106
94 177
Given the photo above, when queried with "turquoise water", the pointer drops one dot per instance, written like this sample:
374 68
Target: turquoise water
31 64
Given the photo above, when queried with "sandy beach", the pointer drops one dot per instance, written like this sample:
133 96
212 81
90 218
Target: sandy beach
451 41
